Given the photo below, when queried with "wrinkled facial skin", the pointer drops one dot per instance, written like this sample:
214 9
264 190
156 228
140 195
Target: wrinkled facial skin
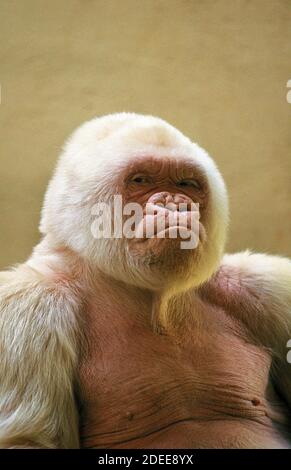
164 182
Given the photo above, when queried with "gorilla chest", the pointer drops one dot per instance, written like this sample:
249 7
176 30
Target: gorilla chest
136 383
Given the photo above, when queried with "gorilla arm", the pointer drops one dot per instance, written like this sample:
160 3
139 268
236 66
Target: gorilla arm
38 344
256 289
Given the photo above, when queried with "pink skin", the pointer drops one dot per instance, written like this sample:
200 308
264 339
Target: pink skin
202 384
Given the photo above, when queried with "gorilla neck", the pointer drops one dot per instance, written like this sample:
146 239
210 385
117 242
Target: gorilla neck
157 310
151 308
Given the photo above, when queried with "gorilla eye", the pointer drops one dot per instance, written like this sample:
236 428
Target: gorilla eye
140 179
189 183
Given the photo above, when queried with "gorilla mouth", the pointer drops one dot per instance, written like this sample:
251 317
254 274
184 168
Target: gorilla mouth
162 222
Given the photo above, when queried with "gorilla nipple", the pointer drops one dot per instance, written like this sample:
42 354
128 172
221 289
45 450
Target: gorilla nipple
256 402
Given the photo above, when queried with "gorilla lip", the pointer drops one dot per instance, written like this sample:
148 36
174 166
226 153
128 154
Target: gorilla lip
174 230
177 221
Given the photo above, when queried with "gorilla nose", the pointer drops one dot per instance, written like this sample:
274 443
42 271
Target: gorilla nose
171 200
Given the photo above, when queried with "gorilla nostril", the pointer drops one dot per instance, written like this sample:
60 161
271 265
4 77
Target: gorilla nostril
159 198
172 201
169 199
180 198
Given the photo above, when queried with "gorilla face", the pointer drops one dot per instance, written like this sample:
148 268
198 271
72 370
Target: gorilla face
151 164
173 196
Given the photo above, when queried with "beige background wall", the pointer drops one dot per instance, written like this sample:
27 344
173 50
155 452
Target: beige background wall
215 69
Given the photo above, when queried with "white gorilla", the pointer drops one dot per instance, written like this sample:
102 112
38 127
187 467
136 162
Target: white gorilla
136 342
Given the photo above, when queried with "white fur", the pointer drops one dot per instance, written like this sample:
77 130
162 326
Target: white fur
38 350
258 293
